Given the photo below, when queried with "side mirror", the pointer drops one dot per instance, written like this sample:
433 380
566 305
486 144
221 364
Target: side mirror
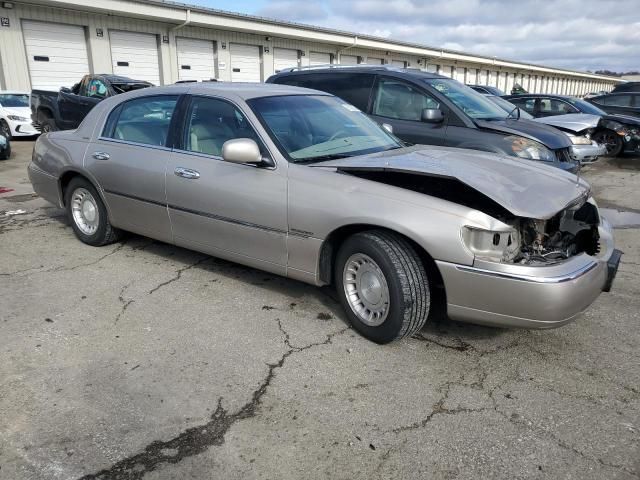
241 150
387 127
65 90
432 115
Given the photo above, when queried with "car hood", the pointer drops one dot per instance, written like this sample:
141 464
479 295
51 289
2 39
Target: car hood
548 136
20 111
575 122
523 187
626 119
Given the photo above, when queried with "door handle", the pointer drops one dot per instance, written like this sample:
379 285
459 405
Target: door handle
101 156
187 173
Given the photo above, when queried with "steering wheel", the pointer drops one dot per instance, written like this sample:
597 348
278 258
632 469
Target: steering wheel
337 135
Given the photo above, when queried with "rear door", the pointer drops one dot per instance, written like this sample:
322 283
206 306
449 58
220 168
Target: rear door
129 159
226 209
400 104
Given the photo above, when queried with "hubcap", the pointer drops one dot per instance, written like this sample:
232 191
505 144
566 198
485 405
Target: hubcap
366 289
85 211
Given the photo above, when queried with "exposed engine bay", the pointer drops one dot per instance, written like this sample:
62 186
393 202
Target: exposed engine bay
569 233
531 242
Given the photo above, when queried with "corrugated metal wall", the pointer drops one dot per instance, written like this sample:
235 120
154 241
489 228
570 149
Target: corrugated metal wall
14 73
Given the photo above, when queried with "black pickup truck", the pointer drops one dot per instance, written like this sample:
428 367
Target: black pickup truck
64 110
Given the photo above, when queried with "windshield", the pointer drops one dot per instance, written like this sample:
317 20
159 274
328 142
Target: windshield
14 99
468 100
586 107
509 107
310 128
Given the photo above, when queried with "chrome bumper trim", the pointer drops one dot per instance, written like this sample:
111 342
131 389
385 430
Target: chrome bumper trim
529 278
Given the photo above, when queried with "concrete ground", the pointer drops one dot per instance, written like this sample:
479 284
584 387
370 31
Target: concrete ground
143 360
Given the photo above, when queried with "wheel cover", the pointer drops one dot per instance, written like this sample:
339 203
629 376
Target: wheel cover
84 209
366 289
5 130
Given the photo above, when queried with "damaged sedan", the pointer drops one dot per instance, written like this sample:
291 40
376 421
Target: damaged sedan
301 184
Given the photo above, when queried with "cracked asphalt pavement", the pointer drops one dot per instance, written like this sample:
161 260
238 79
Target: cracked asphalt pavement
141 360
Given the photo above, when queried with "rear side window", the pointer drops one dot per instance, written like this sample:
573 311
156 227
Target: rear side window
352 88
526 104
142 120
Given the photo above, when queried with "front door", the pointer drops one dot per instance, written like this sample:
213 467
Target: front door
229 210
129 159
400 105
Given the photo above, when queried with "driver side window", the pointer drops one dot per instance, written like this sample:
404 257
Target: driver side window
396 99
211 122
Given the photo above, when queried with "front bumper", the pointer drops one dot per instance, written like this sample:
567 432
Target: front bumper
530 296
22 129
587 153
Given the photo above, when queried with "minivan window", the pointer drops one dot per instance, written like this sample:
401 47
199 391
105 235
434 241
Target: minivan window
396 99
314 128
585 107
353 88
142 120
468 100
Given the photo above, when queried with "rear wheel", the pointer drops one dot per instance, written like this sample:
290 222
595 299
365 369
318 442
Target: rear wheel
88 215
48 124
611 140
382 285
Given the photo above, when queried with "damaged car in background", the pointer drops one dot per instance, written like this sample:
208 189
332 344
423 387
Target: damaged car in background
578 127
302 184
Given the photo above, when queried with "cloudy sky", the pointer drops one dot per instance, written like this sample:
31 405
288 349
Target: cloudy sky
576 34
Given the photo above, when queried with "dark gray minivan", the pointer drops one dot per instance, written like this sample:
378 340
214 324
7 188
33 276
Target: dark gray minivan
426 108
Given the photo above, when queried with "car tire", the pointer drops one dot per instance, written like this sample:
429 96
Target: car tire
612 141
377 267
88 214
5 130
6 153
48 124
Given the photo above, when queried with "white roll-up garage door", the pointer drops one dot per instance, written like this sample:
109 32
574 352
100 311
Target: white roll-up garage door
245 63
317 58
284 58
56 54
348 59
398 63
135 55
374 61
459 75
196 59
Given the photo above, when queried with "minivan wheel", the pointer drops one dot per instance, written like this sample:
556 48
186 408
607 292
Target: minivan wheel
88 214
611 140
382 285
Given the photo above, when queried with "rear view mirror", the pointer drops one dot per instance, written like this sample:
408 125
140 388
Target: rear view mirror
432 115
241 150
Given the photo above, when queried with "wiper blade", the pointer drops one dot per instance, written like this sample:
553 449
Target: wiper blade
323 158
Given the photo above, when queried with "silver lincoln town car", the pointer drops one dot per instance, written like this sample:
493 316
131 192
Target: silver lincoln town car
300 183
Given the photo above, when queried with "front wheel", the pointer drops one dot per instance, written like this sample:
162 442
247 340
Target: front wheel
611 140
5 130
88 215
382 285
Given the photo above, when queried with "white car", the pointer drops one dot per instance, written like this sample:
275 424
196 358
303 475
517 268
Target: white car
15 115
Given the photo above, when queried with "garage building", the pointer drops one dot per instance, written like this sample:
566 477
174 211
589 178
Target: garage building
47 44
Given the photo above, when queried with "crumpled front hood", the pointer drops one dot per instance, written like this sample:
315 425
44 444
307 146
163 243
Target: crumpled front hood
548 136
523 187
575 122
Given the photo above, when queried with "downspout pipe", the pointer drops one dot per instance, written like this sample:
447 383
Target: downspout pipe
355 42
185 23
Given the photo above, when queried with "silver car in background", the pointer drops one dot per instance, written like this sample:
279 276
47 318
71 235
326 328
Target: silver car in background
301 184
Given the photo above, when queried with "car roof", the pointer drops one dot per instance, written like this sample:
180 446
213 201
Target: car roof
410 72
540 95
118 78
247 91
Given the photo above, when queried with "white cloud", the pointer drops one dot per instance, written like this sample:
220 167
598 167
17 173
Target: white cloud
578 34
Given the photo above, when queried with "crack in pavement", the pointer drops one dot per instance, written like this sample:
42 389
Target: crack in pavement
178 274
198 439
125 303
